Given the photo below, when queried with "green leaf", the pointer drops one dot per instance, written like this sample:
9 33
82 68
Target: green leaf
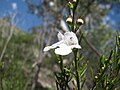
83 70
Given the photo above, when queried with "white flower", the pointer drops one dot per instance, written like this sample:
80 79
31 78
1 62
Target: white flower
66 43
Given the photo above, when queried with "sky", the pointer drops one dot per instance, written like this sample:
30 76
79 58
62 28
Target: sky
113 17
25 20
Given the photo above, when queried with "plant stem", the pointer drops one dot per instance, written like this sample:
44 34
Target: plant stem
94 85
91 46
61 63
76 69
62 87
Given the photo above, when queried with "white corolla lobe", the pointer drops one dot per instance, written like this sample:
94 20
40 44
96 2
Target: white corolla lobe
66 43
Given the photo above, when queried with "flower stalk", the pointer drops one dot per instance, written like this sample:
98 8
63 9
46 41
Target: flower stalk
76 69
75 50
61 63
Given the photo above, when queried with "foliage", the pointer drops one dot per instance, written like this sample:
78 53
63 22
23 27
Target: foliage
12 72
107 77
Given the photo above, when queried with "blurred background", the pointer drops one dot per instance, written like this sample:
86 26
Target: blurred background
27 26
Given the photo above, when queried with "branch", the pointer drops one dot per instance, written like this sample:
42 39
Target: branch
91 46
9 38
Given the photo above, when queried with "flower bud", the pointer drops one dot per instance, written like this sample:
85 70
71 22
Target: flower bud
96 77
107 82
107 88
103 68
74 1
69 20
119 38
70 5
79 21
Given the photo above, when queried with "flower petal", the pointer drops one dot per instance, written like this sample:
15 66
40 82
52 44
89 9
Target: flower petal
63 50
53 46
70 38
76 46
60 36
47 48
